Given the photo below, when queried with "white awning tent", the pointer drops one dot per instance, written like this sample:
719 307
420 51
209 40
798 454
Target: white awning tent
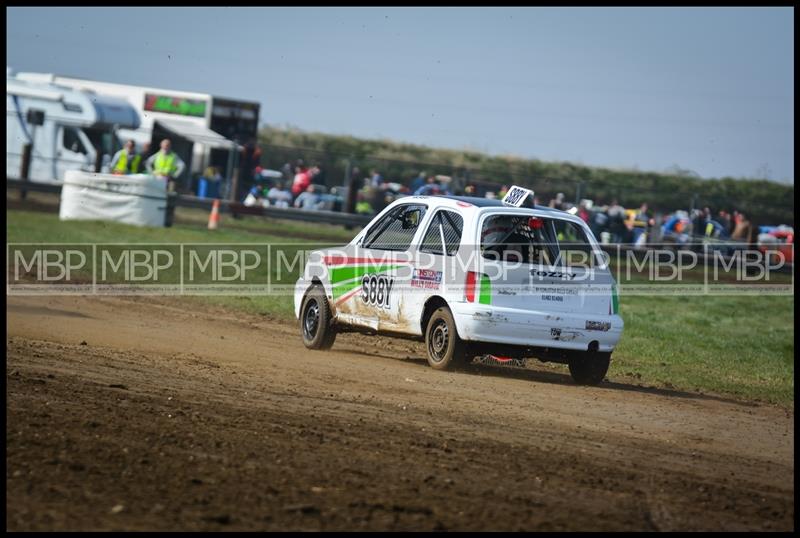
198 134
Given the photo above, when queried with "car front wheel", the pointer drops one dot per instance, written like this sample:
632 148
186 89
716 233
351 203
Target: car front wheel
316 320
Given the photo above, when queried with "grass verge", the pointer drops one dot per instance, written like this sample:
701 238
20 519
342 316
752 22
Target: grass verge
735 345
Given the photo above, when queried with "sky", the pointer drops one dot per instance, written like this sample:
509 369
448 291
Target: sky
706 90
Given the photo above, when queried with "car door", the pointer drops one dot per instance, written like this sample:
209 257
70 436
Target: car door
368 287
435 264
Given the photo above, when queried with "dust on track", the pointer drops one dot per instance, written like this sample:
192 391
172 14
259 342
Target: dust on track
158 414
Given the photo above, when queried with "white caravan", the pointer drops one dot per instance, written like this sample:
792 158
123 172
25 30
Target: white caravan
71 121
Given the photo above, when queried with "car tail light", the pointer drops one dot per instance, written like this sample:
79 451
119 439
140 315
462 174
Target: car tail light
469 287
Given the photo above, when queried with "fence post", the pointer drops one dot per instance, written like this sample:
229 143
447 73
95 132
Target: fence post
27 152
352 191
346 175
169 215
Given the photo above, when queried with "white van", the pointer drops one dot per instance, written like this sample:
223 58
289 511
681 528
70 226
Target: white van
64 140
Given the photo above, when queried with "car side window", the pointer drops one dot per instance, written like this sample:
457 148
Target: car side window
452 225
396 229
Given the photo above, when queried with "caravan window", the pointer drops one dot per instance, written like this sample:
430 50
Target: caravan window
71 140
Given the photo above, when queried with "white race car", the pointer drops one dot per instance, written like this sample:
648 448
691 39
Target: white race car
472 277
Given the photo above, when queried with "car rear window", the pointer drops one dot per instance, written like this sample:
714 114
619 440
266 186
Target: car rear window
535 240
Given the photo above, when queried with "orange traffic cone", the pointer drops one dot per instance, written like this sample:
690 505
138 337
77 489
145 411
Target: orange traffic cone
213 218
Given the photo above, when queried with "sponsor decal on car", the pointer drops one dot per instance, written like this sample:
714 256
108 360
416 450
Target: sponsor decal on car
562 335
553 274
592 325
426 278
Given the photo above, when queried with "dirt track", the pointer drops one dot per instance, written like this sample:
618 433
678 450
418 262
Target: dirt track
175 418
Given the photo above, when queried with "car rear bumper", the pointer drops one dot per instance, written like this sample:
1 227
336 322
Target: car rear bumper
560 330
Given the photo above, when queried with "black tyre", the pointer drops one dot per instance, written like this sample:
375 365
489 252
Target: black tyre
446 350
316 323
590 367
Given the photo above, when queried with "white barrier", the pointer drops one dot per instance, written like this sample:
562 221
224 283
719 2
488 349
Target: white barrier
138 199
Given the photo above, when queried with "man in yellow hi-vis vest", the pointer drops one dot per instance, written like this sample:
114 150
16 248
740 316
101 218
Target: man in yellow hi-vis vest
126 160
166 164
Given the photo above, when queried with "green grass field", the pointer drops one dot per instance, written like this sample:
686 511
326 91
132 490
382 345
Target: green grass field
741 346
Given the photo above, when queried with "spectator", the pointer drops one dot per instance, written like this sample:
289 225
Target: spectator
583 213
599 223
444 186
363 201
255 197
352 191
126 160
257 155
302 180
430 188
166 164
308 199
616 222
734 219
675 228
210 183
288 174
418 182
640 223
376 179
279 196
555 203
318 175
743 230
724 219
699 222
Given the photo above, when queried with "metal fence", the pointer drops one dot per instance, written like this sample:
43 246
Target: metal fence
235 208
705 253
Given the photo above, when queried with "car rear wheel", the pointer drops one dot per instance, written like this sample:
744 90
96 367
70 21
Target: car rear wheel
446 350
590 367
316 320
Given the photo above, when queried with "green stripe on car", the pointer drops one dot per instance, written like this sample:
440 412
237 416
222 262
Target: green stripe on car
485 296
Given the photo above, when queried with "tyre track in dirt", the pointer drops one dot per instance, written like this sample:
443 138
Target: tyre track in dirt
241 428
